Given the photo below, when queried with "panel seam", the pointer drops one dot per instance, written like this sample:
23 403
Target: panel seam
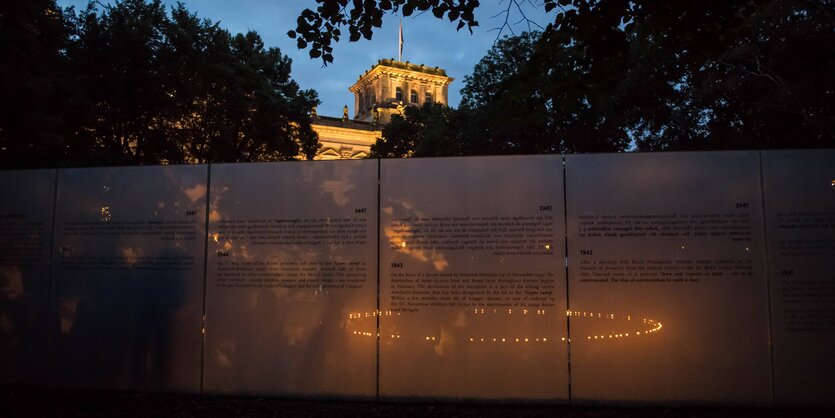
565 262
767 278
205 277
377 380
48 338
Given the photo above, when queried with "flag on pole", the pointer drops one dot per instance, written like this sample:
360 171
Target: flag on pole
400 45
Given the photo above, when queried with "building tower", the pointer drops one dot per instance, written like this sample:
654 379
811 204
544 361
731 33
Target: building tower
384 90
389 86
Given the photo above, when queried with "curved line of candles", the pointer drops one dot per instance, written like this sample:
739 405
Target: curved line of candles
648 326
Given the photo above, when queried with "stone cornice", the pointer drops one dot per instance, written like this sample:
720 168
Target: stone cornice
355 136
401 70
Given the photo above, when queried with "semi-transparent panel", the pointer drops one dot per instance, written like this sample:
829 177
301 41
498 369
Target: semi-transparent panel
799 189
472 279
26 203
667 279
292 258
128 277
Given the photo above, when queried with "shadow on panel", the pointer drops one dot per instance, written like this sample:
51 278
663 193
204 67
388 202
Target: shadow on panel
26 208
292 256
128 278
473 279
799 189
667 278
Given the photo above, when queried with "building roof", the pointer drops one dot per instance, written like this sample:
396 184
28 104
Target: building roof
390 66
408 66
340 123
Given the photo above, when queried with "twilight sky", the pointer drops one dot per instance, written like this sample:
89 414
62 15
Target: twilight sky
427 40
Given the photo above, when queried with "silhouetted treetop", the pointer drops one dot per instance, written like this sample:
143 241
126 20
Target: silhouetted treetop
134 83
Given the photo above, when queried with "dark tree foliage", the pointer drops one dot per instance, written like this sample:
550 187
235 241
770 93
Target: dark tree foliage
616 75
318 29
706 75
506 59
428 131
136 84
33 38
505 109
507 106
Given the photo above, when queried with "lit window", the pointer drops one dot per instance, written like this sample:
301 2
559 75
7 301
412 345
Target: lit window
398 94
413 97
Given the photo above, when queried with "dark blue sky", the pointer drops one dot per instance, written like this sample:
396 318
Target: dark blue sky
428 41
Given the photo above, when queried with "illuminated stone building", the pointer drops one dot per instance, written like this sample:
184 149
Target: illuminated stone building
384 90
344 138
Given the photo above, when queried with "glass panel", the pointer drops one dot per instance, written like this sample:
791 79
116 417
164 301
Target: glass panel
667 278
472 278
26 205
799 189
292 258
128 281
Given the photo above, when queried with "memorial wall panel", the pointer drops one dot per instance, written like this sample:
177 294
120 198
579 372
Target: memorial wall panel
472 278
26 209
292 258
128 278
799 188
667 279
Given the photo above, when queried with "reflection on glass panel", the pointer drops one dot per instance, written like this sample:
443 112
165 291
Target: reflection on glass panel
472 279
667 280
128 277
800 224
26 205
292 257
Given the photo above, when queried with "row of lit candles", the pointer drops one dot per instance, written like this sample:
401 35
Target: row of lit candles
584 314
358 315
518 340
509 311
503 340
655 325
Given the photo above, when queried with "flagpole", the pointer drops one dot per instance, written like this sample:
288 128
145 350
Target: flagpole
400 42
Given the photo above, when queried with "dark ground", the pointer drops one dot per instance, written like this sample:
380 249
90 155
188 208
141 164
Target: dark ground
67 403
